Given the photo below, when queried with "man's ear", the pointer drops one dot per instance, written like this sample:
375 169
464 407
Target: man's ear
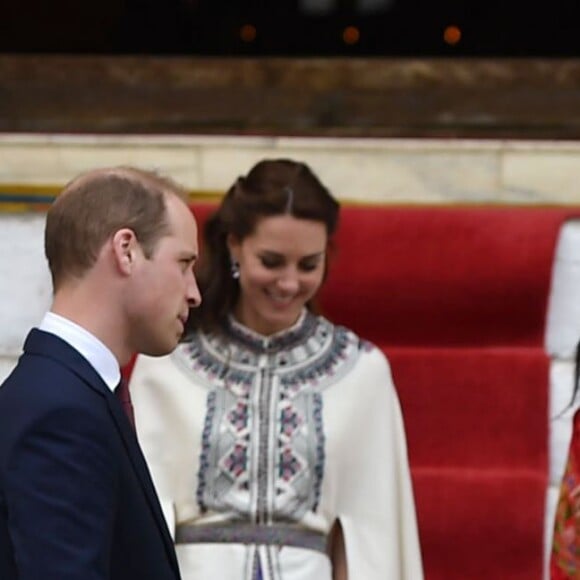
124 245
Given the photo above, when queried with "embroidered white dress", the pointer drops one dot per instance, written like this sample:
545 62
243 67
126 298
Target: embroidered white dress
244 432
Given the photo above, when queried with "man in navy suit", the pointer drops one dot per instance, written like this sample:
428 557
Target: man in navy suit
76 498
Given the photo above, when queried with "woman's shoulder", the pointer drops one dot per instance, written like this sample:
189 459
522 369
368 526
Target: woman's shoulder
177 369
347 334
150 363
155 368
347 344
177 359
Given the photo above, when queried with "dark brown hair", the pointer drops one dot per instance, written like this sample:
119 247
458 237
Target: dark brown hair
96 204
272 187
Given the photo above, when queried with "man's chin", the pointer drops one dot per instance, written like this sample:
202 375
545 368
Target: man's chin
161 349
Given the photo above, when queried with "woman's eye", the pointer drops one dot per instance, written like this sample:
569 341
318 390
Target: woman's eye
309 266
270 263
274 262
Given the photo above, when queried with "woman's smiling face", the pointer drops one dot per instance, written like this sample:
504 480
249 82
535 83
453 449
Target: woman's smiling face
281 268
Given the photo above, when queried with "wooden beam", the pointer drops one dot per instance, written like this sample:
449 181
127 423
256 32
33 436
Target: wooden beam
376 97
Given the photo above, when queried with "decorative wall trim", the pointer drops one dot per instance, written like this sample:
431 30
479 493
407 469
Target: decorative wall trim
17 198
21 198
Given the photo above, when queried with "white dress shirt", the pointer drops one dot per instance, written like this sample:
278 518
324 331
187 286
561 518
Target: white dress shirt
96 353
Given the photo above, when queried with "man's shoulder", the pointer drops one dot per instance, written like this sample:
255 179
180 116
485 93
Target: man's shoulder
41 380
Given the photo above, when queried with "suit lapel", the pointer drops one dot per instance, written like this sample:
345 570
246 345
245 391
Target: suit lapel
46 344
140 466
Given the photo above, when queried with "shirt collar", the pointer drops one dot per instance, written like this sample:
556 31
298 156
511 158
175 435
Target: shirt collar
98 355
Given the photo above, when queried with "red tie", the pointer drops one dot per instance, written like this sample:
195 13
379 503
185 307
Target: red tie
124 396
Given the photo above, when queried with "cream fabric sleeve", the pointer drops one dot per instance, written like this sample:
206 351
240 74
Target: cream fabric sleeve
374 496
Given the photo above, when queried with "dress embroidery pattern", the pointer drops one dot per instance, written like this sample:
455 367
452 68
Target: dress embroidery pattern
264 415
205 446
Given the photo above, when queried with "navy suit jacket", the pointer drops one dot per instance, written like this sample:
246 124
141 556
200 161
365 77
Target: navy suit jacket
76 498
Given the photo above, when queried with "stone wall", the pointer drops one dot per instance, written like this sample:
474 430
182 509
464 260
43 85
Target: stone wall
356 169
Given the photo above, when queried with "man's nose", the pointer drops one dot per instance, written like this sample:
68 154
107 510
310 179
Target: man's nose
193 293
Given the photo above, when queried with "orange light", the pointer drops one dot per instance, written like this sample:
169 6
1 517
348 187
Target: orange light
351 35
452 35
248 33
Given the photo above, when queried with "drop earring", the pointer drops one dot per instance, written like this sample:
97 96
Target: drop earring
234 268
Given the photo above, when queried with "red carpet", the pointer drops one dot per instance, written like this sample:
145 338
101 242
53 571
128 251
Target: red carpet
476 423
457 299
444 276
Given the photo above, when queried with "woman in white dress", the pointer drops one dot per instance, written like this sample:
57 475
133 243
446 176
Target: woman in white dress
275 438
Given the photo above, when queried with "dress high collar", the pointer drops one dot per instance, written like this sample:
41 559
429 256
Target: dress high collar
282 340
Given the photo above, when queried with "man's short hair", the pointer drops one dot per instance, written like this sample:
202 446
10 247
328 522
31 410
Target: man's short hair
96 204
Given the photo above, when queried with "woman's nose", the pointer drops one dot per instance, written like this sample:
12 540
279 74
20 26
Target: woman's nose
288 282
